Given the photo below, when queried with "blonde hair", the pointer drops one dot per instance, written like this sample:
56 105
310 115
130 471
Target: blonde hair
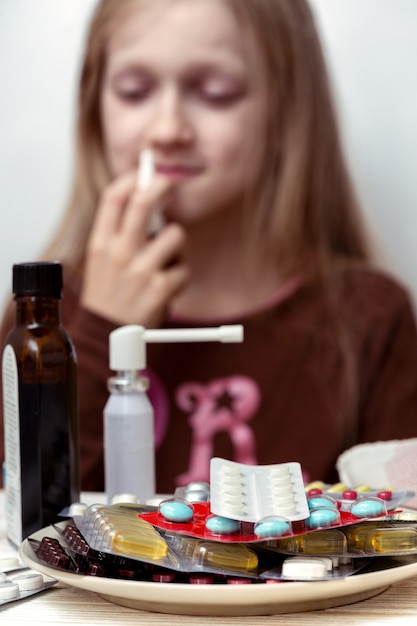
303 214
306 215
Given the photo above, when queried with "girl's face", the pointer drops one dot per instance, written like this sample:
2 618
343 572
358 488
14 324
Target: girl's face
185 79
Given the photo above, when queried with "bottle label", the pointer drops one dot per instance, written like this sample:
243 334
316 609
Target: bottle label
12 445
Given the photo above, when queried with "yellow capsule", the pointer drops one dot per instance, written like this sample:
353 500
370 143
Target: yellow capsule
357 535
337 488
139 544
393 540
405 516
317 484
234 556
321 542
286 544
362 488
128 534
109 523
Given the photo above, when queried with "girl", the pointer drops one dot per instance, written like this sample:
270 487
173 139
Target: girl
261 228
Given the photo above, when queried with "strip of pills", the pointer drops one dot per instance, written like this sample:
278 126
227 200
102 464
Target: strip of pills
252 492
18 587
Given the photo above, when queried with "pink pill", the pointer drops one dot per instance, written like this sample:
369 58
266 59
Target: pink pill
350 494
239 581
201 579
167 577
385 495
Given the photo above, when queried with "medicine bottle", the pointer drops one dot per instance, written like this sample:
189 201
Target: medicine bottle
129 450
39 376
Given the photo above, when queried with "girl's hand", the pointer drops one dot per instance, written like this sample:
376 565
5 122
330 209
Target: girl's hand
129 278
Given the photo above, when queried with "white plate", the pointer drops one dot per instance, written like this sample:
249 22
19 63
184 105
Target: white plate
255 599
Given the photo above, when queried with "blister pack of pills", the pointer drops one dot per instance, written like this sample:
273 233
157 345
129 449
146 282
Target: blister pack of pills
254 503
309 568
210 562
250 524
252 492
367 539
113 530
17 586
345 496
202 524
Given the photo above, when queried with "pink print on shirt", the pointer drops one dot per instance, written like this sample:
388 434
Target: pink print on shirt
222 405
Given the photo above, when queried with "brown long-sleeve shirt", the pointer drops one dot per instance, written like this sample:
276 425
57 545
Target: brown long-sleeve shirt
282 395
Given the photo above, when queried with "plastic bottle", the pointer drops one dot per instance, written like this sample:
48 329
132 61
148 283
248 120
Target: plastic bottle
39 375
129 465
129 453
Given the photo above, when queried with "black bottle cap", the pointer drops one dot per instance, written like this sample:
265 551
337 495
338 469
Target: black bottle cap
38 279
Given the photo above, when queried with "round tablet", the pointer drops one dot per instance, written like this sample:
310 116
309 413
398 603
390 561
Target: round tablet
386 494
239 581
304 568
201 579
288 509
163 577
284 498
235 508
179 511
8 590
197 495
125 498
350 494
9 563
29 582
280 470
197 485
219 525
77 509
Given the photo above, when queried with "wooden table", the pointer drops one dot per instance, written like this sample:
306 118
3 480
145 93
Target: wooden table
67 605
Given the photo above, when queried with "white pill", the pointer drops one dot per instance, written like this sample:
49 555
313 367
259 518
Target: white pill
125 498
28 582
329 562
234 508
9 563
287 509
3 577
78 509
280 471
230 469
231 496
287 498
297 567
281 487
8 590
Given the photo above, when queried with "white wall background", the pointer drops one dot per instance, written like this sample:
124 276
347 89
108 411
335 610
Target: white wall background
372 54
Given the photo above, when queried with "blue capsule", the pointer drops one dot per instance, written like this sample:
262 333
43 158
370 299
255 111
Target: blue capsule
178 511
319 501
322 517
368 507
219 525
271 528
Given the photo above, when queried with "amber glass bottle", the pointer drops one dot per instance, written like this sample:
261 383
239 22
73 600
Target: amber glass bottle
39 374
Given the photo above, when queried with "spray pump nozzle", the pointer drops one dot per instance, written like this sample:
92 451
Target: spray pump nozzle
128 343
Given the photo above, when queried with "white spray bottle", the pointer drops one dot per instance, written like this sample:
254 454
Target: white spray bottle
129 451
